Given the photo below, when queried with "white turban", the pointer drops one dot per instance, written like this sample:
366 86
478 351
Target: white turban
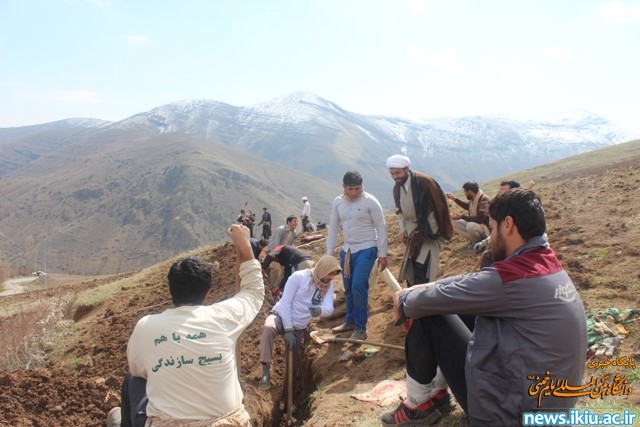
398 161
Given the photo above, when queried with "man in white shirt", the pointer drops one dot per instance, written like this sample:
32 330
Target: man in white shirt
179 357
307 224
364 232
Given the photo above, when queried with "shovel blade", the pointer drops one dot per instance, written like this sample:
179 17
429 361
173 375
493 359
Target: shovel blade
321 337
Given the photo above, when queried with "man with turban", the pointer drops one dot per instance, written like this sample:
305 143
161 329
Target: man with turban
423 214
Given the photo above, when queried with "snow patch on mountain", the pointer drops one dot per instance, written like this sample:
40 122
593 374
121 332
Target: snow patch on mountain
298 107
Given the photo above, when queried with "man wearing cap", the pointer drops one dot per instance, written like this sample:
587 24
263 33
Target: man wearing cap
475 225
423 215
364 233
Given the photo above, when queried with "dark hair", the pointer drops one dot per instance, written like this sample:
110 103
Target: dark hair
263 242
352 178
471 186
525 207
511 184
189 281
291 218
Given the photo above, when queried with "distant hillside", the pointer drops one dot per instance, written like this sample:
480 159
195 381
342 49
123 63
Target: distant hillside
311 134
94 197
122 200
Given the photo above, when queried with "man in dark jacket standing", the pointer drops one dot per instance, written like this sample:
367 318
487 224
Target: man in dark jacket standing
423 215
265 222
530 325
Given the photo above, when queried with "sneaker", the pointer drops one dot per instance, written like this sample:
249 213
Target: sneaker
479 247
343 328
265 382
359 335
424 415
114 417
442 401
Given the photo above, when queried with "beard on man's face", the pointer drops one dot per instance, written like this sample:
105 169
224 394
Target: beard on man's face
498 247
401 178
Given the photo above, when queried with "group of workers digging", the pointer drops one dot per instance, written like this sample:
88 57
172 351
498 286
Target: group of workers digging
476 337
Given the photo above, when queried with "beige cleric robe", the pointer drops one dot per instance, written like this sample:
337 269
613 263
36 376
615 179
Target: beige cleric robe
408 222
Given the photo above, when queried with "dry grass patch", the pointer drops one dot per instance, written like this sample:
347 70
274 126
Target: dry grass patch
28 335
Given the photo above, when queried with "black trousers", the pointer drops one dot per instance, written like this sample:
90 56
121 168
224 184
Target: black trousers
440 341
266 231
134 400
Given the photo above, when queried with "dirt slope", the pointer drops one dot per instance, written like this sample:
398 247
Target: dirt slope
593 224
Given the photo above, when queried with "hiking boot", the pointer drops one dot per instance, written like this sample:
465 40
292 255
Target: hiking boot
343 328
359 335
114 417
442 401
265 382
424 415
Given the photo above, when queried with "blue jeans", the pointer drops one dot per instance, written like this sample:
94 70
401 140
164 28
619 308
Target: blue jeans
356 287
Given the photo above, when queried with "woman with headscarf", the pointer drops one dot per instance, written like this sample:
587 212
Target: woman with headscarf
308 294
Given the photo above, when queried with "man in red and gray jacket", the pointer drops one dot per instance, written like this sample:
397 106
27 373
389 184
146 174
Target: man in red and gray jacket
530 324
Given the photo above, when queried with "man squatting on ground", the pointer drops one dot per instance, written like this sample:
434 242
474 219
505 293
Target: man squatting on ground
309 294
184 358
364 233
530 319
475 225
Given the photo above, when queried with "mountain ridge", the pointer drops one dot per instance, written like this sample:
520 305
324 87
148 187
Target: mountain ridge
71 183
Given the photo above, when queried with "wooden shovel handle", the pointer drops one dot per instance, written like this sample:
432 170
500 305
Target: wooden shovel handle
377 344
290 385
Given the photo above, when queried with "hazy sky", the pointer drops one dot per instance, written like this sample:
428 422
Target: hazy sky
110 59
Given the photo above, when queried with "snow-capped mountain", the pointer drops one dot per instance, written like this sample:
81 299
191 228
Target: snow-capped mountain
309 133
105 196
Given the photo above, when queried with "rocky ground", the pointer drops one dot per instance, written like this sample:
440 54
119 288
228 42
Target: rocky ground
593 224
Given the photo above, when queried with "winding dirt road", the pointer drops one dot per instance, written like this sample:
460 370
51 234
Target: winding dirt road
16 286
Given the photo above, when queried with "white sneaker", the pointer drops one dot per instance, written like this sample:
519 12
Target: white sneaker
114 417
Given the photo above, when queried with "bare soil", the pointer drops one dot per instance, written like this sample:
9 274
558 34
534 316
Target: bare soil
593 225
